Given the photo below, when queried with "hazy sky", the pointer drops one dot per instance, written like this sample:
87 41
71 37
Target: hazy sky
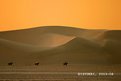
101 14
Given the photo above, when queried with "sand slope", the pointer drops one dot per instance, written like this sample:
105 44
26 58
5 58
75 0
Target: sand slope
58 44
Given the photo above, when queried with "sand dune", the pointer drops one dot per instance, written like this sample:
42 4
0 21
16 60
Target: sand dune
34 35
57 44
76 51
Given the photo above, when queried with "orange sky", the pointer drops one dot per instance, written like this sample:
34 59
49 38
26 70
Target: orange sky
19 14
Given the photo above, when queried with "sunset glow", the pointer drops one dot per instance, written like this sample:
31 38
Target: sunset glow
97 14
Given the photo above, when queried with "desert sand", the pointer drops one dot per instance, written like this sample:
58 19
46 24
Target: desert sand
58 44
